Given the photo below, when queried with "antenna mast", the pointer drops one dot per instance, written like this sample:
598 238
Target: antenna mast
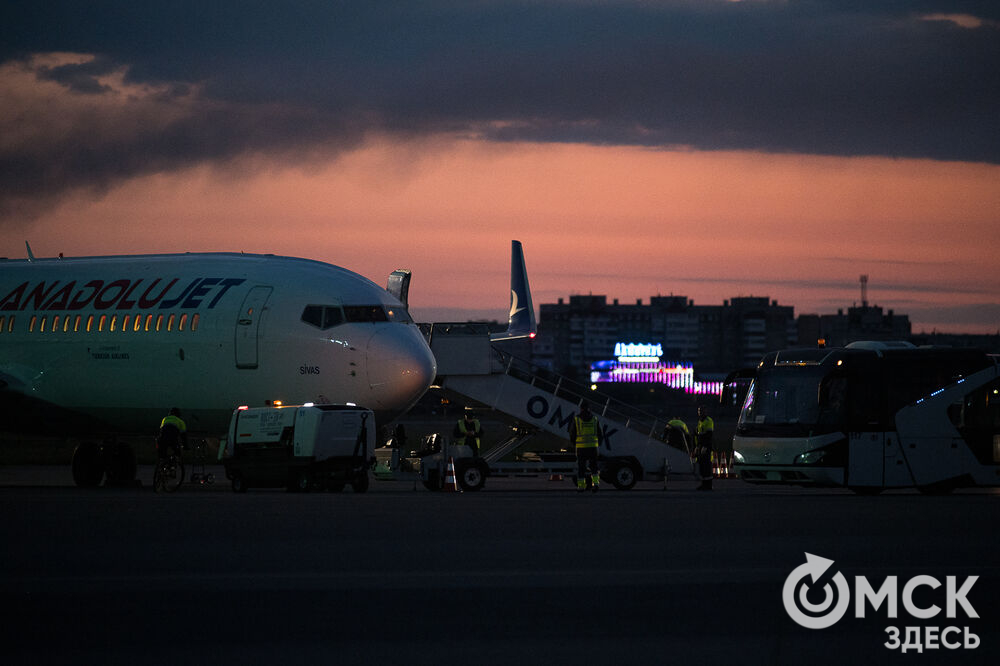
864 291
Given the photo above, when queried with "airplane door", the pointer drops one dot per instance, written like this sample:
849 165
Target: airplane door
248 325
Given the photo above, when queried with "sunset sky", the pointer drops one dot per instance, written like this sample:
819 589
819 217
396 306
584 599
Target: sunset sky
698 147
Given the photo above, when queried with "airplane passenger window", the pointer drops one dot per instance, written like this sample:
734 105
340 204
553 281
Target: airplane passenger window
90 323
44 319
159 322
194 321
10 324
149 323
101 322
125 322
184 319
170 322
55 324
138 323
365 313
114 322
76 323
31 324
1 323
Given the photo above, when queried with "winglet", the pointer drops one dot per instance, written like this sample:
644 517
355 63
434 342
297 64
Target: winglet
521 322
399 285
31 255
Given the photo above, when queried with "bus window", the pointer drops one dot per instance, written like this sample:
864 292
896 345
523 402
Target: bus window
977 418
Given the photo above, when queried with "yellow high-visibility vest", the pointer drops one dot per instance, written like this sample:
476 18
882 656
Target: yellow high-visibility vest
586 433
466 432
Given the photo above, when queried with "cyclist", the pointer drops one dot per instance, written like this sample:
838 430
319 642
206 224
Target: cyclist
173 434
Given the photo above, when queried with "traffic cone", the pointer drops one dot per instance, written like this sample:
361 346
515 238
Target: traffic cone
715 465
450 482
730 470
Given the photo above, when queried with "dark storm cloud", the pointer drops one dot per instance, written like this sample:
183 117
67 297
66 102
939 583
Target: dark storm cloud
834 78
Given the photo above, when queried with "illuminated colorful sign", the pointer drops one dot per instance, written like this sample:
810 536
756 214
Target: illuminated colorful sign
639 363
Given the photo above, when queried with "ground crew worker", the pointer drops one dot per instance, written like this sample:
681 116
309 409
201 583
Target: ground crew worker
585 434
677 434
703 447
468 431
173 434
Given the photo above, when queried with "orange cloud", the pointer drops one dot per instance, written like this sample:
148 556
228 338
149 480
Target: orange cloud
626 222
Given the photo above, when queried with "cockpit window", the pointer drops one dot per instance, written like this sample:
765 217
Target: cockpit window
365 313
323 316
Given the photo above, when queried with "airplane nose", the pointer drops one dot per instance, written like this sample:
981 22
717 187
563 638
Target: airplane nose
401 367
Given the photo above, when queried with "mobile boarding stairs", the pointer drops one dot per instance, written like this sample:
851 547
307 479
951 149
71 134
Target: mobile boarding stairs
472 367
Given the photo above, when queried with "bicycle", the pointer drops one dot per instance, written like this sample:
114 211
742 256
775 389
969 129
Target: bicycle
169 473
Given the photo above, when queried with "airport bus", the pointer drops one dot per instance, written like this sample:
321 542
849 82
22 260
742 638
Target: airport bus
872 416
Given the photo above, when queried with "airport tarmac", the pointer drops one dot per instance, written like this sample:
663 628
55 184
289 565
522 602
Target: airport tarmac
524 571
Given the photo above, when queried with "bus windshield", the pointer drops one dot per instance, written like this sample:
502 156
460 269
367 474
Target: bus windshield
791 400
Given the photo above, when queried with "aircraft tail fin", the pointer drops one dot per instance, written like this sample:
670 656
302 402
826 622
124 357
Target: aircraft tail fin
521 323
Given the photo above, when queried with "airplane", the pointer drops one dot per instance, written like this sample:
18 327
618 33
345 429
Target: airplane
100 348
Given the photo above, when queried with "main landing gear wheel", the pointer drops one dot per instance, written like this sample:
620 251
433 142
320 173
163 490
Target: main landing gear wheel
88 465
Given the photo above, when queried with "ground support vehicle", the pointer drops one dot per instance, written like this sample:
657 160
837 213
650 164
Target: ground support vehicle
300 447
429 464
872 416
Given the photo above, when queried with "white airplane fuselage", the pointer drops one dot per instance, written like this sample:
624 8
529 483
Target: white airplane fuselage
122 339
